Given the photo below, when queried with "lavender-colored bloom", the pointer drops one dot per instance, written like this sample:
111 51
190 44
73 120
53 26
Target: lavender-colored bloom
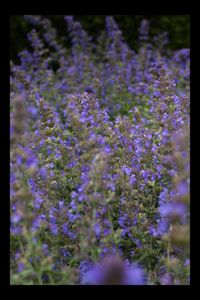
32 163
36 224
112 271
164 194
106 231
71 164
144 30
72 217
74 195
126 170
17 256
72 235
51 165
97 214
64 252
61 204
20 267
16 230
122 220
85 266
124 232
43 172
137 242
182 188
162 227
65 228
38 97
33 111
82 197
145 174
187 262
58 155
73 205
132 179
173 210
89 90
19 159
133 275
165 132
152 231
16 218
166 279
107 149
38 201
54 228
97 230
157 94
52 218
45 248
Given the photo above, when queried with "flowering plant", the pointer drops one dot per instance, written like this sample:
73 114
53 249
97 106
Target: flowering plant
99 179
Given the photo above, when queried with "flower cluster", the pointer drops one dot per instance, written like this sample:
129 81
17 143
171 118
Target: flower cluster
99 178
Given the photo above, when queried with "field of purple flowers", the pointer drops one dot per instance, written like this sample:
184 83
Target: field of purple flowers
100 166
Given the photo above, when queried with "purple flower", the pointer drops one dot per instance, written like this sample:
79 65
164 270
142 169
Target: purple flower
166 279
132 179
45 248
97 229
43 172
38 201
73 205
122 220
38 97
19 159
182 188
72 235
89 90
20 267
32 160
54 228
82 197
16 218
106 231
165 132
152 231
16 230
33 111
36 224
126 170
61 204
173 210
85 266
74 195
71 164
162 227
65 228
157 94
145 174
133 275
187 262
113 271
163 195
107 149
144 30
64 252
52 218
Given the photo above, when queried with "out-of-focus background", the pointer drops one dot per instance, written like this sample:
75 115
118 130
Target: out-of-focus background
177 27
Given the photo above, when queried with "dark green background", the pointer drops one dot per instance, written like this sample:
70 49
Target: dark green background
178 27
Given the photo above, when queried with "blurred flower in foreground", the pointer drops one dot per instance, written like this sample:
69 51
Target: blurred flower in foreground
113 271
